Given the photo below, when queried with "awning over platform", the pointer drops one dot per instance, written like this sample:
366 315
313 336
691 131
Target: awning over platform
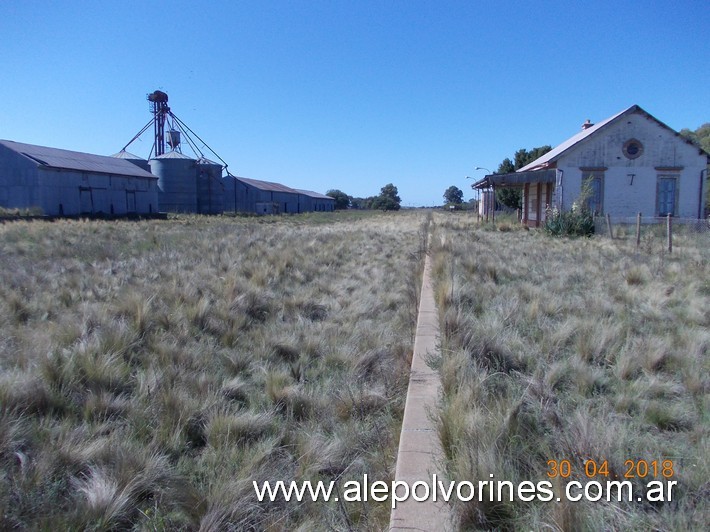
516 179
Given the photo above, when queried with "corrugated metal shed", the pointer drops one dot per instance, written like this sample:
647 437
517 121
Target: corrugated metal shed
312 194
63 182
74 160
268 185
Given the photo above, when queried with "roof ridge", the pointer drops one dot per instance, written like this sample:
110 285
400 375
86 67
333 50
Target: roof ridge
544 160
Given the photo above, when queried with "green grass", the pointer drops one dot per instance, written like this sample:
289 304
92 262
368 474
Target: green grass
573 349
150 371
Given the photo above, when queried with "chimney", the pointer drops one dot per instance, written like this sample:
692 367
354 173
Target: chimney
587 124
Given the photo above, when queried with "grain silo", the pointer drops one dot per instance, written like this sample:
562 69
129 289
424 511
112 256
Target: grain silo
210 188
135 159
177 185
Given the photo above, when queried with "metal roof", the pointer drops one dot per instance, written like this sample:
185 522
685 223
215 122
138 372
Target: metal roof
123 154
267 185
173 155
516 179
551 156
205 160
73 160
312 194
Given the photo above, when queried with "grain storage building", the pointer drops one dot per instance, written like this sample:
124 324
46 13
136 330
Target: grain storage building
63 182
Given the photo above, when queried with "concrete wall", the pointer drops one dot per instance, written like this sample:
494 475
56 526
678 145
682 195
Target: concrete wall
664 154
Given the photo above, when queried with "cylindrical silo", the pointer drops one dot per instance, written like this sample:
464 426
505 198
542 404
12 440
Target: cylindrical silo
210 189
177 185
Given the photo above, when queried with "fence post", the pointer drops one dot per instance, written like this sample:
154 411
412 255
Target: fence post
669 226
608 226
638 230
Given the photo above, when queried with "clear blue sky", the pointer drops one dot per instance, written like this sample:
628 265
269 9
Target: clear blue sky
350 95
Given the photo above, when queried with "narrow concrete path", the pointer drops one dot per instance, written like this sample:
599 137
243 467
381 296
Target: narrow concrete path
420 455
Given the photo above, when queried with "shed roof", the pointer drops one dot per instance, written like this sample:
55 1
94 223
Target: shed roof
312 194
267 185
73 160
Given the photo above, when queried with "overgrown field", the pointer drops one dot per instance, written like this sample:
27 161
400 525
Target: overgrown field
583 350
150 371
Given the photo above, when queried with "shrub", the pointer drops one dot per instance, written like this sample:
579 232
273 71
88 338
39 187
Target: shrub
577 222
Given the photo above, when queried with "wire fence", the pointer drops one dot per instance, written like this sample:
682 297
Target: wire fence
647 229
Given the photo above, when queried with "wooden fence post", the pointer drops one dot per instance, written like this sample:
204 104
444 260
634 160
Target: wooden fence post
638 230
669 226
608 226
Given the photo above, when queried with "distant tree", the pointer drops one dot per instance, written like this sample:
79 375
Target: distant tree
513 197
701 137
342 200
453 195
388 200
359 203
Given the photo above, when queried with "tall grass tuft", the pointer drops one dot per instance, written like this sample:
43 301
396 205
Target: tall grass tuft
571 349
151 371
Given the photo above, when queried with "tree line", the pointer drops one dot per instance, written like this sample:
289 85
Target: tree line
387 200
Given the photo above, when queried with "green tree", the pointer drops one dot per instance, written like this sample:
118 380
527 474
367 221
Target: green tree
453 195
701 137
342 200
512 196
388 200
506 167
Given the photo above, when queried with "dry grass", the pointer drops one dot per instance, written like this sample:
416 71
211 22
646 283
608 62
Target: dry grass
150 371
573 349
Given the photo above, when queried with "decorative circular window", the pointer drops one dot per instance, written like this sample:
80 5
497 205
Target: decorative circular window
632 149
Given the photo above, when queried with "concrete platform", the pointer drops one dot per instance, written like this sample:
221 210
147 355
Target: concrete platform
419 454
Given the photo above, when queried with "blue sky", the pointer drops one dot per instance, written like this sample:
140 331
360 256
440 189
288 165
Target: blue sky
349 95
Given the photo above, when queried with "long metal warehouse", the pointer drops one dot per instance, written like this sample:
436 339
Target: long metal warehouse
314 201
265 197
63 182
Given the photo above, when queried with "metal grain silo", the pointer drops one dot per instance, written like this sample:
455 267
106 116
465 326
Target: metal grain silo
177 184
135 159
210 189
